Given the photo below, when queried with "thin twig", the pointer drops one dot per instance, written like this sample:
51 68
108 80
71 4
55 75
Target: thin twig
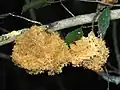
114 69
62 24
112 78
97 1
2 16
67 9
55 1
25 18
108 82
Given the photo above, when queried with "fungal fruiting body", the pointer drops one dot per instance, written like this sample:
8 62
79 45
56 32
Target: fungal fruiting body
37 51
89 52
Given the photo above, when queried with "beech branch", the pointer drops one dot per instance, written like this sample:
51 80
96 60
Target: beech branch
58 25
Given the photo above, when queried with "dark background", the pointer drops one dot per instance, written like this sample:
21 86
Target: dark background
14 78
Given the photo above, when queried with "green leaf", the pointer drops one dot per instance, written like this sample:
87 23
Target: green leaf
103 22
73 36
35 4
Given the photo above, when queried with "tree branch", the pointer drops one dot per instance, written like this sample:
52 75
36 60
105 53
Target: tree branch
58 25
80 20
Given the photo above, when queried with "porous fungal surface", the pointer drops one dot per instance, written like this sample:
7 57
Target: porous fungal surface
37 51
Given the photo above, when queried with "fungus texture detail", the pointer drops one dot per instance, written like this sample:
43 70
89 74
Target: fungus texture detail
89 52
37 51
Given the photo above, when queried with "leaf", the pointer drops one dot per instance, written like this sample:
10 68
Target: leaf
104 22
73 36
35 4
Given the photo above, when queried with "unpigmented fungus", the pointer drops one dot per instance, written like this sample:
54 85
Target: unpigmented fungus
37 51
89 52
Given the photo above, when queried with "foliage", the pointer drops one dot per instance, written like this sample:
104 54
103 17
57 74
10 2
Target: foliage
73 36
104 22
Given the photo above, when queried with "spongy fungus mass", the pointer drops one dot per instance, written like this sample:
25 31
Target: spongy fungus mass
37 51
89 52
